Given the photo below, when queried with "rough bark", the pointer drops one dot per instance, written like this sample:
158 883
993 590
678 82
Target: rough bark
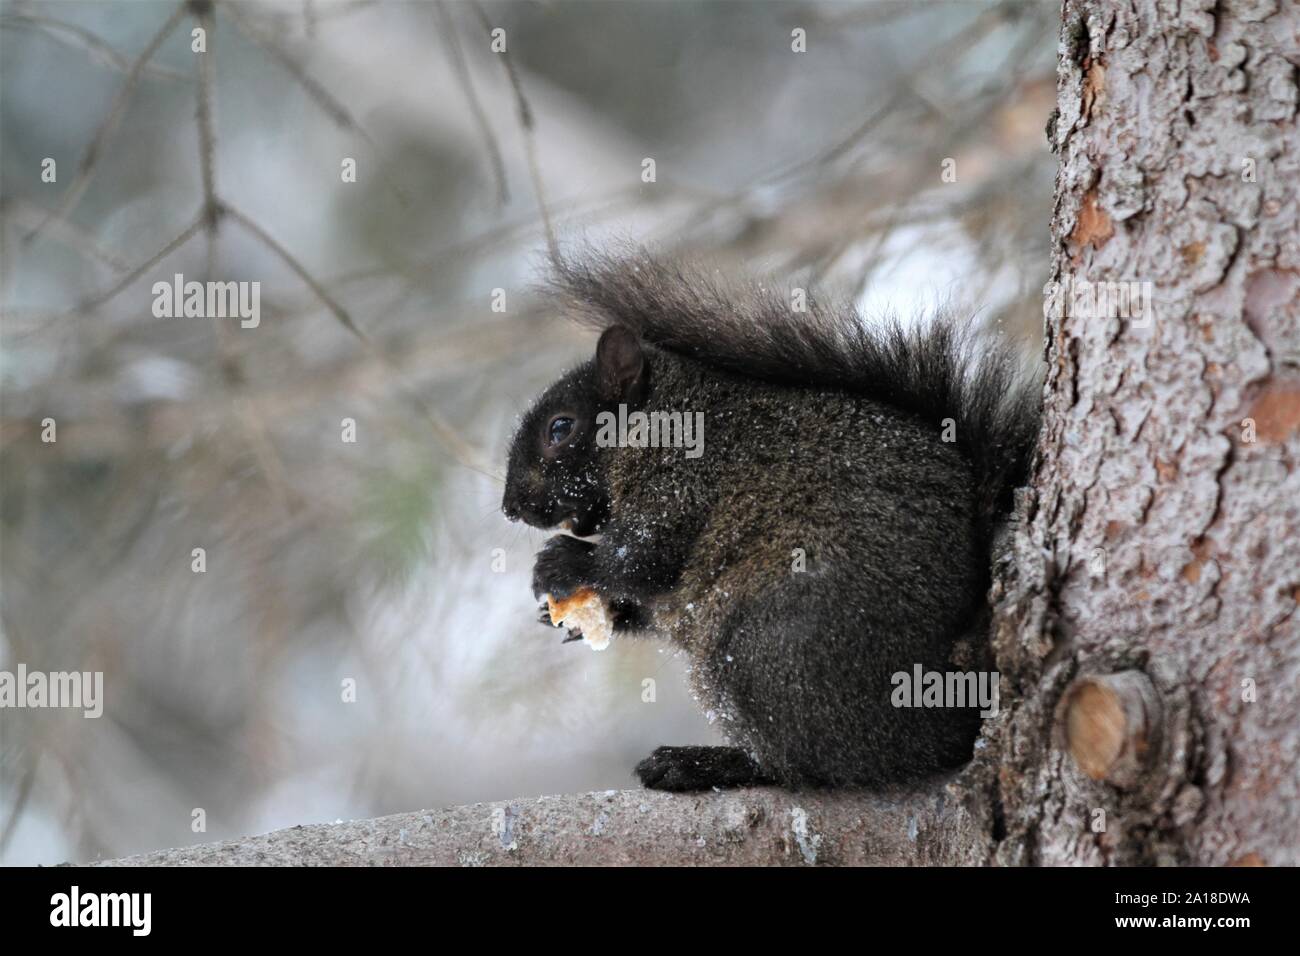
1162 533
620 827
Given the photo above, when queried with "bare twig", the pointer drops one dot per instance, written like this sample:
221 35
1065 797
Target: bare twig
109 124
460 449
74 237
324 99
458 65
190 231
250 418
269 45
526 125
79 38
207 134
299 269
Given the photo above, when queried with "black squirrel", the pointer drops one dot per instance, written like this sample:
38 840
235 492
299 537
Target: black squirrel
827 538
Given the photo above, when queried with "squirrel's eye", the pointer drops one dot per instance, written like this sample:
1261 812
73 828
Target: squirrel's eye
559 429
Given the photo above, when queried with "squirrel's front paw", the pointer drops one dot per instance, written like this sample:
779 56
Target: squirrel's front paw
571 634
563 565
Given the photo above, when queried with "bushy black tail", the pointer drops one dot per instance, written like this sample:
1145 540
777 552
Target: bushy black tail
937 370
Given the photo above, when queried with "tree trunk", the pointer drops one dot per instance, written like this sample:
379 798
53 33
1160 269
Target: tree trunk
1147 630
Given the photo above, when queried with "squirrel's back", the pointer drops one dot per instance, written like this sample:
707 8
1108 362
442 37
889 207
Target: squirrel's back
937 370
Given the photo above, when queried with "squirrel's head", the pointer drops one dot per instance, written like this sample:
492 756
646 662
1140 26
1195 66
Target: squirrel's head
557 472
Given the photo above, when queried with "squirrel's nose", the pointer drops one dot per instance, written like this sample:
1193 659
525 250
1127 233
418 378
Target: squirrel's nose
510 507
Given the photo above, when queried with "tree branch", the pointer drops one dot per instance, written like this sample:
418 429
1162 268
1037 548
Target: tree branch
762 826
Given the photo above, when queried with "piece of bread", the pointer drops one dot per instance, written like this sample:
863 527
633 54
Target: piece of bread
583 611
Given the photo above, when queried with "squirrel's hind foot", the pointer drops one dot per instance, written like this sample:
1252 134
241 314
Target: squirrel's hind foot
699 768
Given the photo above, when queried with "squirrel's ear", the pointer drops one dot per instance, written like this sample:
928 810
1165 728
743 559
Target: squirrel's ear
622 372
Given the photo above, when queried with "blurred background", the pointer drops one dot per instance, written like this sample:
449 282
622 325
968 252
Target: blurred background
383 564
